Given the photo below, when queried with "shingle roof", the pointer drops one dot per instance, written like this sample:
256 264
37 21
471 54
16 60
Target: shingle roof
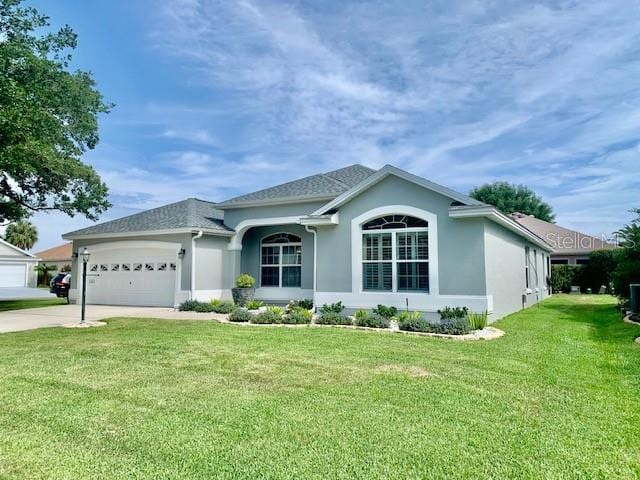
563 240
322 185
61 252
189 213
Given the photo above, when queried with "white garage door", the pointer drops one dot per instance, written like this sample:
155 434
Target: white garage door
13 275
132 276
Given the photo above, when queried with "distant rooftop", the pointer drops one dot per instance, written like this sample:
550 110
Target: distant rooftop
562 240
61 252
320 186
189 213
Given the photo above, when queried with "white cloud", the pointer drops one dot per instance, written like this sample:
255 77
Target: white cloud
199 137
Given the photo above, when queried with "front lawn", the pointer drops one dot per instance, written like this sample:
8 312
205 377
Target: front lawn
6 305
557 397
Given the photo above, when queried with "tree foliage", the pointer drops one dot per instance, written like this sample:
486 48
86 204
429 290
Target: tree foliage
509 198
563 277
22 234
48 119
628 268
43 272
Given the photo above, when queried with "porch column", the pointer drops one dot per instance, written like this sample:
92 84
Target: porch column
233 266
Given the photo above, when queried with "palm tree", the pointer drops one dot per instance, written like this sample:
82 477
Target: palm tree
22 234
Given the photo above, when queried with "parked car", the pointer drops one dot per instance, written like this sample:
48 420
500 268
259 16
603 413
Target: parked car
60 285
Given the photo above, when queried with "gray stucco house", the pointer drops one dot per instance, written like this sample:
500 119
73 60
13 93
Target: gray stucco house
355 235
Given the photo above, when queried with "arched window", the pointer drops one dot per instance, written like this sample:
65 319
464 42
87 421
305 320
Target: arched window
281 260
388 222
395 254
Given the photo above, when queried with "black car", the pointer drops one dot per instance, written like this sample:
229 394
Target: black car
58 287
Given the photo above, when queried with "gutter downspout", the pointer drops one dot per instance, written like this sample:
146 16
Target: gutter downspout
193 262
315 259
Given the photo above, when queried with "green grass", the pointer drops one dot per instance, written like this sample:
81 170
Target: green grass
6 305
557 397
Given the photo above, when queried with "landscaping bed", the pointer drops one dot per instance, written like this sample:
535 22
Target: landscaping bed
455 323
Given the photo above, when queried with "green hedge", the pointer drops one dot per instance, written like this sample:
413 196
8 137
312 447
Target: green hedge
564 276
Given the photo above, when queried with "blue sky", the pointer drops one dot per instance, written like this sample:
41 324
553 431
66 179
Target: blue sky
214 99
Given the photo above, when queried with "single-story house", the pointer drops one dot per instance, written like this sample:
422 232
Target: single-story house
357 235
569 246
59 257
17 267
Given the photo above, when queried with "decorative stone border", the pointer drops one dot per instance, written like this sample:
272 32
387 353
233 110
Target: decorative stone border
84 325
487 333
627 319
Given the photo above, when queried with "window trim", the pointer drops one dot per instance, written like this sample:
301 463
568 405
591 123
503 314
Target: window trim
280 265
357 254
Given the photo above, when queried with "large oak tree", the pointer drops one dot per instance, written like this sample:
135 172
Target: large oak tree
48 119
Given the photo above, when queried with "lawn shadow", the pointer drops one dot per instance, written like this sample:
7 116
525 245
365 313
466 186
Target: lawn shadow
604 319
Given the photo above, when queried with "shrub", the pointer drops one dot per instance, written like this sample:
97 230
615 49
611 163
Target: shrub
564 276
196 306
333 318
224 306
333 308
360 314
449 313
599 270
254 304
266 317
451 326
245 281
305 304
372 321
297 317
627 272
279 311
413 322
240 315
477 321
188 306
385 311
205 307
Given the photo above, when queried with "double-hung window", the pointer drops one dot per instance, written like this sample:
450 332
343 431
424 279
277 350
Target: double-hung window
281 261
395 254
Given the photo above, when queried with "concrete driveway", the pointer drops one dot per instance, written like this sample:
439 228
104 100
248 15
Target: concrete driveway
20 293
32 318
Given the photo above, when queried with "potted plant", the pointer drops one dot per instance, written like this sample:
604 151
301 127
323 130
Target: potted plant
245 289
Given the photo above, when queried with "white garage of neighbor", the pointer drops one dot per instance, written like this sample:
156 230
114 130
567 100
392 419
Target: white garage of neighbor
17 267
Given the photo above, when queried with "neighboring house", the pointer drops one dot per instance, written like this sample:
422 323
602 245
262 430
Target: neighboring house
59 256
569 247
356 235
17 267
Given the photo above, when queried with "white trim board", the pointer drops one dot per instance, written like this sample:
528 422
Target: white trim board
146 233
